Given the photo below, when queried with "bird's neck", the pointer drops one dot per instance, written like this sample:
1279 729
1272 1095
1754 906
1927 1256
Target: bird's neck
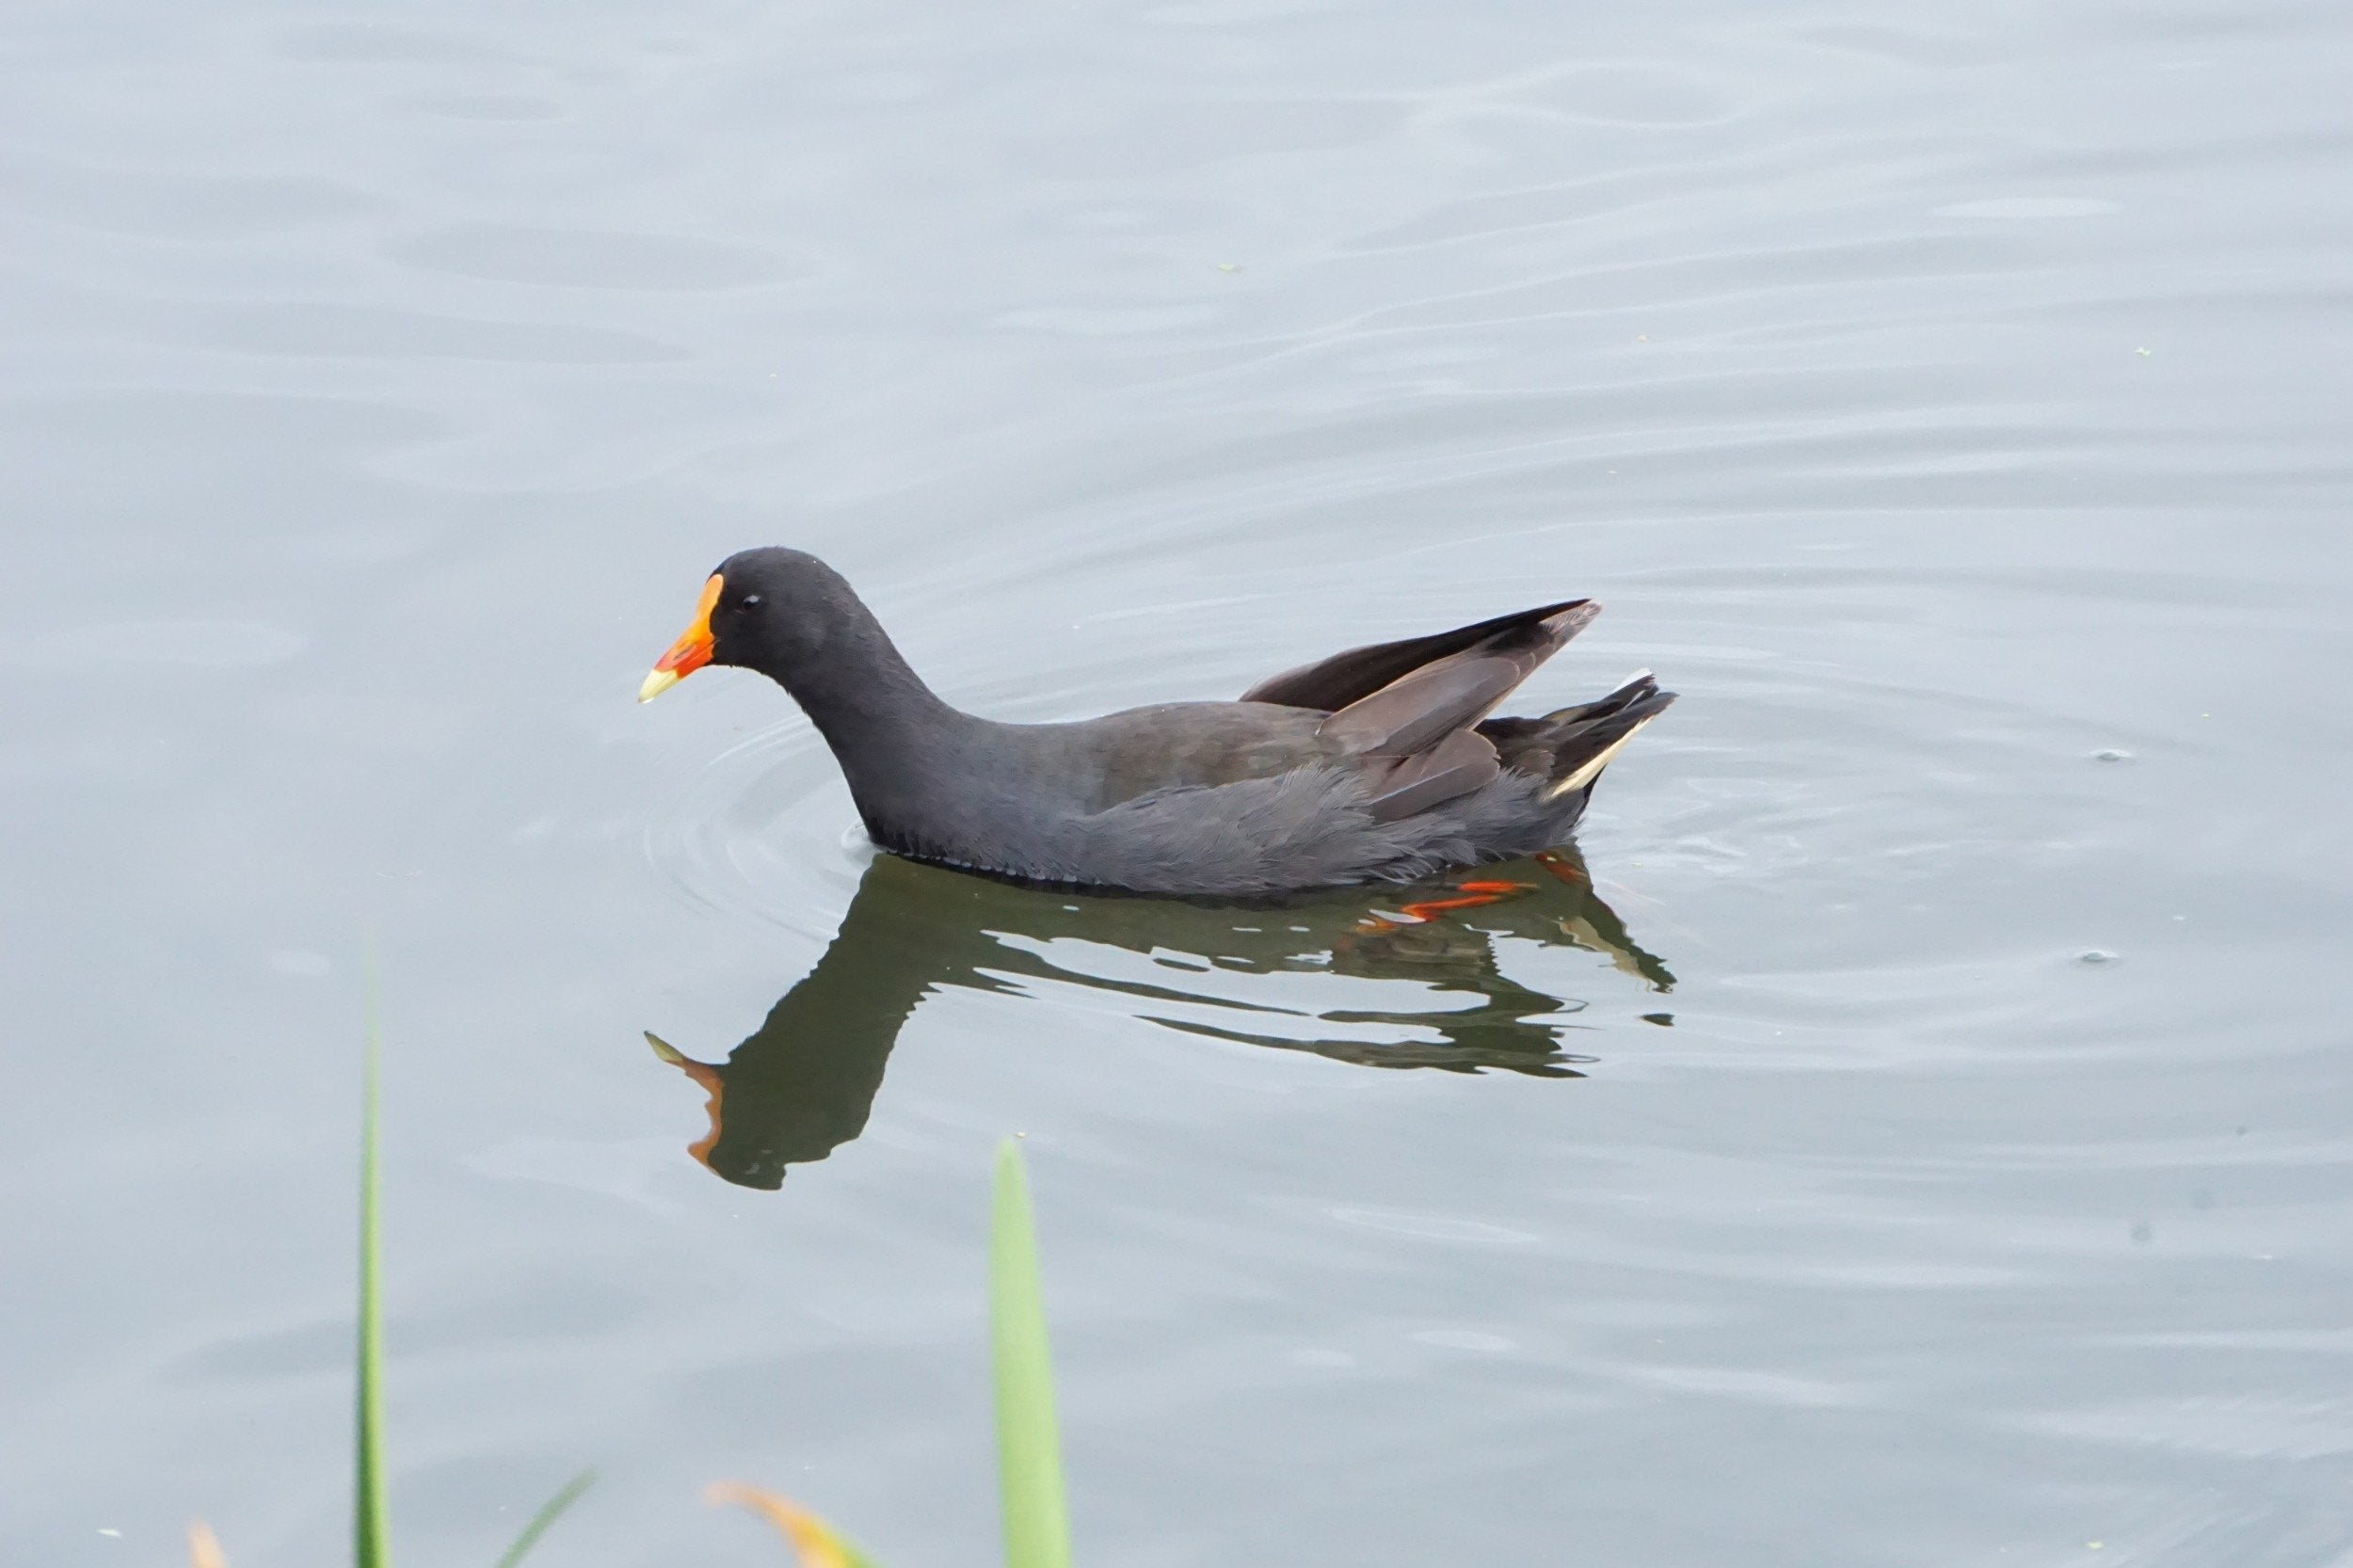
892 735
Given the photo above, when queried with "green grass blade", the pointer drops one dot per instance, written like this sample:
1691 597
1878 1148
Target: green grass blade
370 1546
548 1513
1029 1448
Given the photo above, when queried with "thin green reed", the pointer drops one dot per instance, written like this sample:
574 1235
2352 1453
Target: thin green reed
1029 1446
370 1526
548 1513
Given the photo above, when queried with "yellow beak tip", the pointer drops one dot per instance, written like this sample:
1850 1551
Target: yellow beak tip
657 683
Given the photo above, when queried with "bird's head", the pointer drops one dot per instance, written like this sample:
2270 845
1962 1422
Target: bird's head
759 610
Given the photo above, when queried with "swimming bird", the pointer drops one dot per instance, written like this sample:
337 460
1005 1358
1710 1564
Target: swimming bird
1377 763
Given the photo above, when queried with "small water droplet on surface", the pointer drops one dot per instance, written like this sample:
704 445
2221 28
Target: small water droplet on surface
2112 754
2095 955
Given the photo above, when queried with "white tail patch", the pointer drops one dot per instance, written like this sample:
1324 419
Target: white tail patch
1590 770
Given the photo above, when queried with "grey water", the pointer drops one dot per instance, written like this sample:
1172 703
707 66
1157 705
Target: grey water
1917 1134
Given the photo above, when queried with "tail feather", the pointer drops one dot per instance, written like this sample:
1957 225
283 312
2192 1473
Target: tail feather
1589 769
1571 747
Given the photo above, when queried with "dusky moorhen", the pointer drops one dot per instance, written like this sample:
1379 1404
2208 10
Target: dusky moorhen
1377 763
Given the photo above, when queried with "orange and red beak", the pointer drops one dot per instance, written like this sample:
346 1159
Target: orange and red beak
692 650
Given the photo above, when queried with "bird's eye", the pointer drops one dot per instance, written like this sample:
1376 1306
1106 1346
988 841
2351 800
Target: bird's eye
748 601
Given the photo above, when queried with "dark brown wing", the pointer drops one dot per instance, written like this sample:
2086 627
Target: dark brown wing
1413 730
1416 710
1332 683
1455 766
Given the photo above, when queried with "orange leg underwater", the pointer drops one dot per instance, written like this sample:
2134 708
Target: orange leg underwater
1475 895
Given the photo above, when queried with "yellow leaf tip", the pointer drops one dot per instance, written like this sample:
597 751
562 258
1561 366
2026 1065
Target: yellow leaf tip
204 1550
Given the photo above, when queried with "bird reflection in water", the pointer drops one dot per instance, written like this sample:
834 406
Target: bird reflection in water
803 1083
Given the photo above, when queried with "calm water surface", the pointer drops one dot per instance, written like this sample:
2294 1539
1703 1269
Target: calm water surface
1921 1137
